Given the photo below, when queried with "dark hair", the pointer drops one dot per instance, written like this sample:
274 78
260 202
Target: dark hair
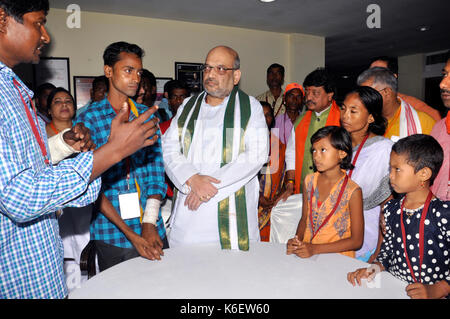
112 52
150 76
321 77
276 66
100 79
267 105
373 102
52 94
172 85
392 63
146 74
43 87
421 151
17 8
340 139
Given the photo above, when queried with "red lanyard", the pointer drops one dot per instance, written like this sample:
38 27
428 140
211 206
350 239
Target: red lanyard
421 234
34 125
330 214
357 154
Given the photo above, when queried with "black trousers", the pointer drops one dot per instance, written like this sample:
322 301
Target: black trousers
110 255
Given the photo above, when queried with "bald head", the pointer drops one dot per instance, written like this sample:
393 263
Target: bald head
222 73
227 51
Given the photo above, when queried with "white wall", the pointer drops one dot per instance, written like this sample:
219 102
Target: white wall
306 53
168 41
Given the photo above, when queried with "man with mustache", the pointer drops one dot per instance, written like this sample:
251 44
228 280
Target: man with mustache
322 110
31 188
213 150
441 132
121 228
274 96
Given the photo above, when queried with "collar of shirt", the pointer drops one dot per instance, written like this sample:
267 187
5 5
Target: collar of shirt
318 114
9 74
270 95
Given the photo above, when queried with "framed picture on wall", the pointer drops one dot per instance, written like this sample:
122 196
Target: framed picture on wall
190 74
160 82
52 70
82 86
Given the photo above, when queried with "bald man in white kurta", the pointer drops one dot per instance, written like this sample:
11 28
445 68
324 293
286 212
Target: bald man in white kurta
204 157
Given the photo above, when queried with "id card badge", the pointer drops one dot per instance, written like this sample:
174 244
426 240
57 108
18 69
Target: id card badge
129 206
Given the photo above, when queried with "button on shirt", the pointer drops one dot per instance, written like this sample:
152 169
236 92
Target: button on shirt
31 258
145 166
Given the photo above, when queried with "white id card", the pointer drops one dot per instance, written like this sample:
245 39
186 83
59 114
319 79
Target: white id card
129 206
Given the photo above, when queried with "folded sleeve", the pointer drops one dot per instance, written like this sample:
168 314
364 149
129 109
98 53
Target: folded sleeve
155 170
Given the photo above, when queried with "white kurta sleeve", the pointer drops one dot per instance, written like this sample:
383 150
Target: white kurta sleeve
290 152
177 166
240 171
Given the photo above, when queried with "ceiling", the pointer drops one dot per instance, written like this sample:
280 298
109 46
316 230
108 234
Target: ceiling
348 40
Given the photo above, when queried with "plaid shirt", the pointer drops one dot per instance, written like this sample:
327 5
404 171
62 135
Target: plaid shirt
31 251
146 167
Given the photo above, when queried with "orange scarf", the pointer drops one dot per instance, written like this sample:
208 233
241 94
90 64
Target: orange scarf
301 133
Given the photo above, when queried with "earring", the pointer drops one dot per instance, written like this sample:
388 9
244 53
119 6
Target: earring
422 184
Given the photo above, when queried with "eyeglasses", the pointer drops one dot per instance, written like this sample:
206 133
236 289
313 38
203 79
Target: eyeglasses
219 68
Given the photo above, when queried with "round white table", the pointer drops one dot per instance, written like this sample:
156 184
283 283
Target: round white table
264 272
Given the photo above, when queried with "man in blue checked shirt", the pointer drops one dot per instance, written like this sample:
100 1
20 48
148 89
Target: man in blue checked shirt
31 188
121 228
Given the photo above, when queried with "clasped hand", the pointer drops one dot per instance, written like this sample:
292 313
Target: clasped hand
202 190
301 249
79 138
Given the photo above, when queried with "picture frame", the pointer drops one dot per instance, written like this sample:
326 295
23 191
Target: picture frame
55 70
160 82
191 74
82 86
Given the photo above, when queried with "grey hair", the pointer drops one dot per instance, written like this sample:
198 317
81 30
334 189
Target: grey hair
237 61
379 76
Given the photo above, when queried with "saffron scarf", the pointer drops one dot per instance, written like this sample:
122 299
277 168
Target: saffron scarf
301 133
186 122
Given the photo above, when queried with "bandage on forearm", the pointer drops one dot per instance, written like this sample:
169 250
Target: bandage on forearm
151 211
59 149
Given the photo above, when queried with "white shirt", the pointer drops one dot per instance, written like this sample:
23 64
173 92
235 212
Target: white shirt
204 158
